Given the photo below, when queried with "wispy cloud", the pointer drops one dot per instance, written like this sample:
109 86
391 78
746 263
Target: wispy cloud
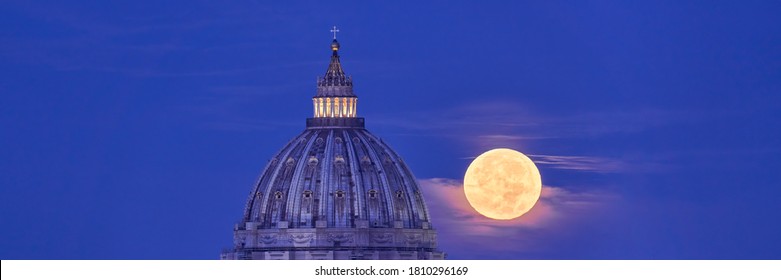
488 125
581 163
502 121
182 19
247 125
233 107
461 229
109 44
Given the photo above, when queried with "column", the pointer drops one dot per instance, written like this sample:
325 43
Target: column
328 107
320 112
344 107
336 107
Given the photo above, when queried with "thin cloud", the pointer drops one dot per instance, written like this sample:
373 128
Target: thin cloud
509 137
488 125
247 125
462 229
251 90
184 20
104 44
580 163
503 121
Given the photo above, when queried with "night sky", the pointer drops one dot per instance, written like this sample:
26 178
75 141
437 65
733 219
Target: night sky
133 130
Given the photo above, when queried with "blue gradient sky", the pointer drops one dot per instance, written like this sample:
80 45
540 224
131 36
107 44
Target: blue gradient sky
135 130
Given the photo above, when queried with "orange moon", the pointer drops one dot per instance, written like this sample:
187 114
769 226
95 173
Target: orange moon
502 184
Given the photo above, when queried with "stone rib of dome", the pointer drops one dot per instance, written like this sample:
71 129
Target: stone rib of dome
339 178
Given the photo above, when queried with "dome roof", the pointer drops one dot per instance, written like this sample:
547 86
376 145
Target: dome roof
335 191
340 178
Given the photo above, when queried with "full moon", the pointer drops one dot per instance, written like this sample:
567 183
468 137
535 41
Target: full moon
502 184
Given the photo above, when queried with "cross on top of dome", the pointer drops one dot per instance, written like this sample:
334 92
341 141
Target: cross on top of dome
334 30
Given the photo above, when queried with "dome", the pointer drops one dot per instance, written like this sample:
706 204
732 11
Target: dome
336 178
335 191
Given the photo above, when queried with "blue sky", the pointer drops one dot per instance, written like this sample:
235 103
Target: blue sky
134 130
